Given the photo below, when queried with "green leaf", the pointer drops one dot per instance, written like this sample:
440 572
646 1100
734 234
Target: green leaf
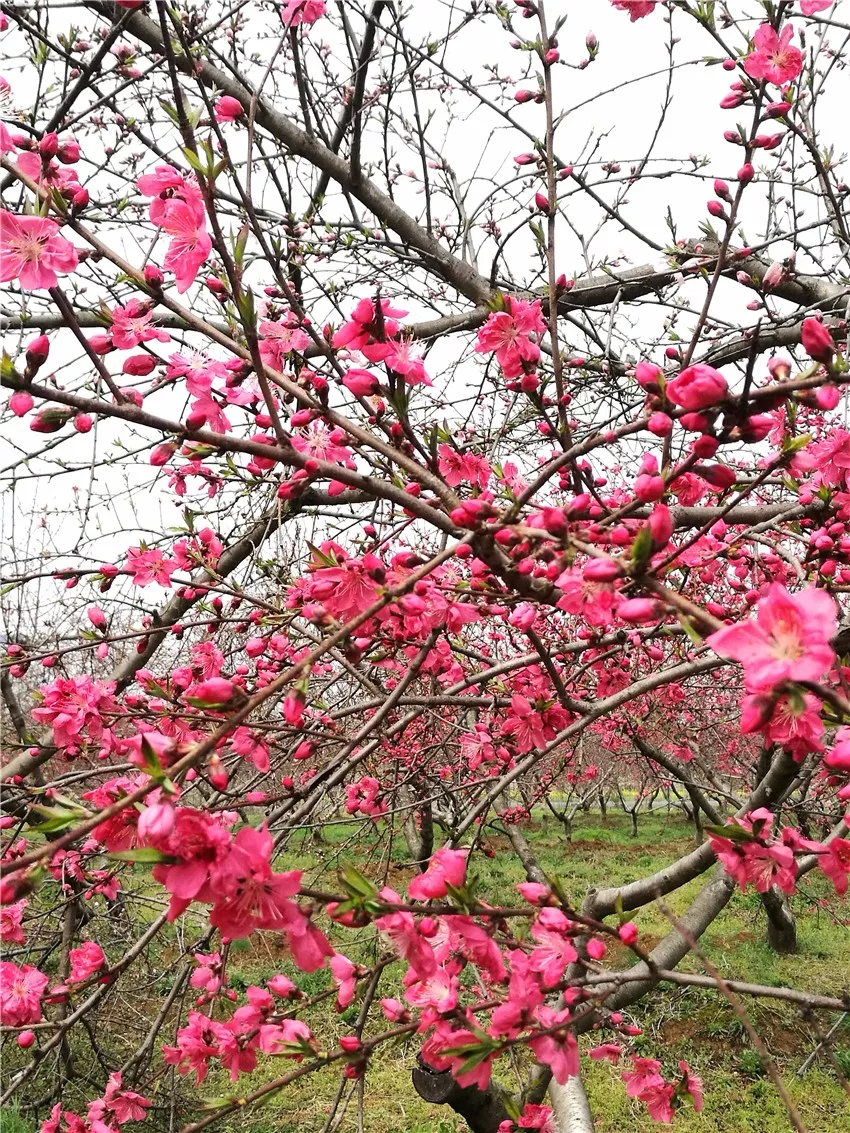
733 832
790 445
146 855
355 883
641 549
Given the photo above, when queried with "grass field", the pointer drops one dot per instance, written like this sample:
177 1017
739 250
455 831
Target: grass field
692 1024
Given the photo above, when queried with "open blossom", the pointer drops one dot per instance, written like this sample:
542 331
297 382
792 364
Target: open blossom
116 1104
178 209
637 9
402 359
133 324
788 641
507 333
147 566
11 917
369 331
86 961
33 252
773 58
447 867
643 1076
21 990
185 222
76 707
302 12
345 978
456 467
835 863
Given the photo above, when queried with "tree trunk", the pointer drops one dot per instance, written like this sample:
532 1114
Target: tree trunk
572 1111
781 926
482 1110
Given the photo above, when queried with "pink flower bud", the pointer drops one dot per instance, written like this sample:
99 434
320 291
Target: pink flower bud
541 201
774 275
717 210
362 383
720 476
746 173
828 397
84 423
525 158
50 419
49 145
660 526
705 446
523 96
162 454
68 151
26 1039
21 402
639 611
551 56
293 707
694 422
96 616
601 570
153 276
139 365
697 387
101 343
80 199
628 932
212 692
817 341
395 1011
660 424
156 822
37 352
228 109
649 488
648 376
721 189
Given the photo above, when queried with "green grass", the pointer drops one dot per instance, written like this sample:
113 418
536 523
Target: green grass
694 1024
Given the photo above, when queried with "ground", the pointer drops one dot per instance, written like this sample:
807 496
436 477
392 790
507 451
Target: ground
693 1024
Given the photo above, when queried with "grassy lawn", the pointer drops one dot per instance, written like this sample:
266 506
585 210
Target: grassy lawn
693 1024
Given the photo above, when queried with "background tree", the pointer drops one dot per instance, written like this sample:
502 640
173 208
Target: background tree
384 450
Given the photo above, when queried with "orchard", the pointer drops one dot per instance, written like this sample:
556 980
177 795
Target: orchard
424 439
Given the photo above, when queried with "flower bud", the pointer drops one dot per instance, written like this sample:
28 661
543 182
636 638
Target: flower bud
97 617
37 352
639 611
628 932
49 145
817 341
21 402
68 151
51 419
139 365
